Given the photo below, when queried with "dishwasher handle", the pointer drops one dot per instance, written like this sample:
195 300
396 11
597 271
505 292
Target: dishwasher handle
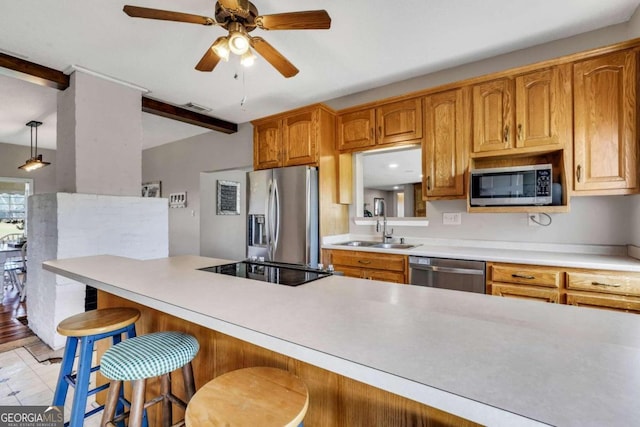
446 269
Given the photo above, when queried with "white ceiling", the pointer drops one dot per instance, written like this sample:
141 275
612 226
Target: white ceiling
370 43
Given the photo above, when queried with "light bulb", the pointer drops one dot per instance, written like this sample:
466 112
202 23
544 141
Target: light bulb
221 48
248 58
238 43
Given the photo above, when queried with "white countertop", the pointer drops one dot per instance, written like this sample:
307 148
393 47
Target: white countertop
577 256
496 361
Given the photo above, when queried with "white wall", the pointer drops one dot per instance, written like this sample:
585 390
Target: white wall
178 166
222 236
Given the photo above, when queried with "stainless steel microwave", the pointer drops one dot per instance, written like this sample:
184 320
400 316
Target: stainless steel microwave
519 185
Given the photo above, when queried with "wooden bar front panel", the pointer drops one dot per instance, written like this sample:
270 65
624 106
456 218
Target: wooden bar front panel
334 400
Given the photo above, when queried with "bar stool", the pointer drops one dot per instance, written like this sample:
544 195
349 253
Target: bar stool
148 356
88 328
250 397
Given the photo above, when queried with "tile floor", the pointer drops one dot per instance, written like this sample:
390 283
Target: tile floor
25 381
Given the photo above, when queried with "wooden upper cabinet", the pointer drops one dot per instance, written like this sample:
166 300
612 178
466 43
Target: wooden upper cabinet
293 138
267 144
605 112
299 139
493 115
399 121
392 123
543 108
355 130
530 110
445 146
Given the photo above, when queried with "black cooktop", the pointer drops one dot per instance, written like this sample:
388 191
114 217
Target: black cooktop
281 274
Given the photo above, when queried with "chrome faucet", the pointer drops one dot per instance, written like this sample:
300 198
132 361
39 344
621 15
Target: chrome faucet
386 238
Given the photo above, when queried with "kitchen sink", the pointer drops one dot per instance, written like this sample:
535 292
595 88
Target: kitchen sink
378 245
393 246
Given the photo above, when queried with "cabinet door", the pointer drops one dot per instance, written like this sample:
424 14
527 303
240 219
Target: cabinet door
399 122
605 145
267 145
446 137
493 115
385 276
603 301
355 130
299 140
543 108
525 292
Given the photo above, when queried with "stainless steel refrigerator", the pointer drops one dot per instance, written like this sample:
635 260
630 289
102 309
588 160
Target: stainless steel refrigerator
282 220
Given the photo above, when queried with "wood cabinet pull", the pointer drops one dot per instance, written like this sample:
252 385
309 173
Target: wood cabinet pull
371 133
579 172
519 132
506 133
429 182
613 285
364 261
523 276
379 131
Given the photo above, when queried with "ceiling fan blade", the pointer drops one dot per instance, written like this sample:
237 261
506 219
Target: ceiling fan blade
209 59
307 20
274 57
167 15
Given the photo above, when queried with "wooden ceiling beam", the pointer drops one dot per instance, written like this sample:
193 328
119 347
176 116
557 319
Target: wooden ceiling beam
45 76
160 108
34 73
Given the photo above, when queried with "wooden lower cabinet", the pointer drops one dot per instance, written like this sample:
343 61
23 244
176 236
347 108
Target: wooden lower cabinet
604 289
524 281
334 400
369 265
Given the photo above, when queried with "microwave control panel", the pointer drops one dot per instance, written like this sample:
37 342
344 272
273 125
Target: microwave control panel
543 183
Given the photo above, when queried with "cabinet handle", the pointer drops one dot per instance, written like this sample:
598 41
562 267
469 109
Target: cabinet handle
613 285
523 276
429 182
371 133
579 172
519 132
364 261
379 131
506 133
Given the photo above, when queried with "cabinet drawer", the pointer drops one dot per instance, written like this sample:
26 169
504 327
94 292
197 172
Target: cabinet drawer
369 260
526 275
526 292
608 302
609 283
364 273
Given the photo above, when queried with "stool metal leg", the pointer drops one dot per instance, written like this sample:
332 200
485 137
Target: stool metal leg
65 369
82 381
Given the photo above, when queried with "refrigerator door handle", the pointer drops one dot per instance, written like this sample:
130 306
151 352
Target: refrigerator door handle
276 225
269 219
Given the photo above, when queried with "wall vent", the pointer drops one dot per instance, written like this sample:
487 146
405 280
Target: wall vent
197 107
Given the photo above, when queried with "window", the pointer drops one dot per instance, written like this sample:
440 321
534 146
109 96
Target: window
14 193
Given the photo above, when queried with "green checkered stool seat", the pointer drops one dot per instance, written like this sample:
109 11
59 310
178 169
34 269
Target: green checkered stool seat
148 356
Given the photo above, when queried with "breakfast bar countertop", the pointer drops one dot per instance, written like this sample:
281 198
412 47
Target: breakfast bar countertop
496 361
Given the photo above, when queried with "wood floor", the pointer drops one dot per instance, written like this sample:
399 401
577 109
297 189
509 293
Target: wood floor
13 332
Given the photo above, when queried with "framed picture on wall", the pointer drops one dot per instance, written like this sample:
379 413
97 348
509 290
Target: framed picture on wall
228 200
378 206
152 189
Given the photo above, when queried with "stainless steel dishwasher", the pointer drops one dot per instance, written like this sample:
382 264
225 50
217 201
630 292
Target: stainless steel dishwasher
456 274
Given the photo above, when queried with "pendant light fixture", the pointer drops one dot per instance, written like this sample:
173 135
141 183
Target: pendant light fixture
35 162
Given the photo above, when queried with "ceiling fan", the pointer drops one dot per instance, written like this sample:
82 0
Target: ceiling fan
239 18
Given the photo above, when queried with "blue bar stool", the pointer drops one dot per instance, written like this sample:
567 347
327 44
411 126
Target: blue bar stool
258 396
138 359
88 328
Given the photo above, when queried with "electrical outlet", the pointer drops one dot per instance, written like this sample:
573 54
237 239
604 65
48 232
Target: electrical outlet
532 218
451 218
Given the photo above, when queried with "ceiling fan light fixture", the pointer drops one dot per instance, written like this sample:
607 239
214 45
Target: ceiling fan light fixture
248 58
238 39
35 162
221 48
